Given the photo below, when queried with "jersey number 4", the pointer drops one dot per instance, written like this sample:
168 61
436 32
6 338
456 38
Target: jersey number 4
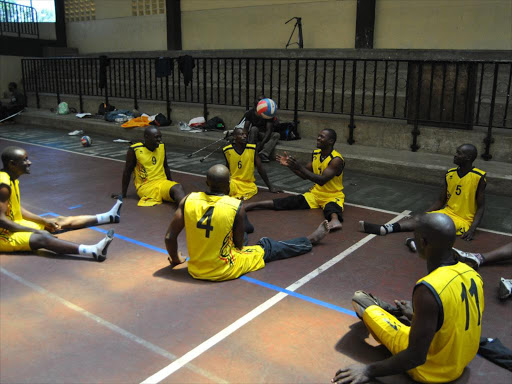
473 291
205 222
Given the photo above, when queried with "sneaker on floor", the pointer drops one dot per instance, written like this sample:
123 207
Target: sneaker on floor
75 133
505 289
102 256
411 244
471 259
362 300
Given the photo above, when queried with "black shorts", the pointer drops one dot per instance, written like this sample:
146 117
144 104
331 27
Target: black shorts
300 202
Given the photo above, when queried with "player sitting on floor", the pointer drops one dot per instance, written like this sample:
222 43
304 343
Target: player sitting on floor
21 230
326 171
214 225
446 322
241 158
151 174
462 198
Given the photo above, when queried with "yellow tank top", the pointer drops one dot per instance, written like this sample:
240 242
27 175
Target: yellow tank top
209 223
14 203
150 164
461 192
333 187
458 289
241 166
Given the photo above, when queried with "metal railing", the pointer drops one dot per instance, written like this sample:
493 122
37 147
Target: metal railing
18 20
455 94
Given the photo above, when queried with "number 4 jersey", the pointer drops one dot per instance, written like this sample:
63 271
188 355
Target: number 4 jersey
209 220
458 290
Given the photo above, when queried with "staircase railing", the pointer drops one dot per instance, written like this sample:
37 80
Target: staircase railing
18 20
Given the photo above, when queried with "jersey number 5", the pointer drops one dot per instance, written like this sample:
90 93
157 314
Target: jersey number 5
473 291
205 222
458 190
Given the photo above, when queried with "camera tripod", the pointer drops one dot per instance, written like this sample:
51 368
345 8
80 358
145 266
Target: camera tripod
298 23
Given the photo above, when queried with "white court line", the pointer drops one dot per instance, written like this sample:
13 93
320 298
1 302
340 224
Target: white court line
113 327
203 347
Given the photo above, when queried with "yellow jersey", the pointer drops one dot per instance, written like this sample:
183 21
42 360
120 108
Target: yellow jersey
461 193
333 189
241 169
14 203
150 164
458 289
209 220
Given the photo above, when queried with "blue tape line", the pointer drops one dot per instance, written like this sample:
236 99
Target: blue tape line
246 278
299 296
76 206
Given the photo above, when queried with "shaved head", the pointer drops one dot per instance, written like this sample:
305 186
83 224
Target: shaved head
150 131
217 178
11 154
470 151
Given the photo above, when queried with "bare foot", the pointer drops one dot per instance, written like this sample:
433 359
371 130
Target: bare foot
334 225
319 233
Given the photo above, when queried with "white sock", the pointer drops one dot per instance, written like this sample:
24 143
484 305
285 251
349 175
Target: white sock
95 250
112 216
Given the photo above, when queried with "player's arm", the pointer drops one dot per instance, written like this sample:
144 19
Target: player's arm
167 169
264 176
238 227
171 237
129 166
334 168
50 224
480 203
6 222
423 329
441 200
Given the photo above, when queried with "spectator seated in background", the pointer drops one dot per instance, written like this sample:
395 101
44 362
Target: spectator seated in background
16 102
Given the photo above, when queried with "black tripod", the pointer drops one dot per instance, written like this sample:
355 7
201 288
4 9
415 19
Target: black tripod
299 24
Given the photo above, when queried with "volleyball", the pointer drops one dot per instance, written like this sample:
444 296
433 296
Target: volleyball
266 108
86 141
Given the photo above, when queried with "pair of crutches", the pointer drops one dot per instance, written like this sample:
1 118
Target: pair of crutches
10 117
227 137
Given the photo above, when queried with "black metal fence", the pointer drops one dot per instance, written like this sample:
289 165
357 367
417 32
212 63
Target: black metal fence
455 94
18 20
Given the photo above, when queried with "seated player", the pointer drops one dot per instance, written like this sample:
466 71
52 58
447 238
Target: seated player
241 158
462 198
21 230
261 132
326 171
446 322
151 174
214 225
476 260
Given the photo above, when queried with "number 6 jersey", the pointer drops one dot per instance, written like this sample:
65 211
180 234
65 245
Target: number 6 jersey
209 220
458 290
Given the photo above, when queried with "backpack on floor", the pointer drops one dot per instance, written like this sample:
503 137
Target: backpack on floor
287 131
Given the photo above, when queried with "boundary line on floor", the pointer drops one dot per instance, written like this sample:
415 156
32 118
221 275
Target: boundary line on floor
212 341
152 347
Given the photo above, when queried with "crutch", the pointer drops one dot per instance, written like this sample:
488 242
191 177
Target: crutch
212 152
10 117
226 134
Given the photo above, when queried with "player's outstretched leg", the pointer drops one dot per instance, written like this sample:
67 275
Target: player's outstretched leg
47 241
74 222
362 300
319 233
265 204
383 229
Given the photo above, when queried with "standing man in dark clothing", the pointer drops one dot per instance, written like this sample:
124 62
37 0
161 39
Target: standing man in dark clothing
261 132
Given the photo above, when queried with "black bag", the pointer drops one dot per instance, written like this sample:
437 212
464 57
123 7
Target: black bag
287 131
160 121
215 123
105 107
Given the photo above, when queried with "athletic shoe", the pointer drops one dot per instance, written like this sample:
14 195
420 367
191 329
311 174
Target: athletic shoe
472 259
75 133
411 244
505 289
102 256
362 300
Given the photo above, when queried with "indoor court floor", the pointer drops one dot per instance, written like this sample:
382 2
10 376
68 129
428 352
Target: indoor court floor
131 319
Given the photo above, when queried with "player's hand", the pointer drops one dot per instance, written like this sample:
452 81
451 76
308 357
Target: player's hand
273 189
293 163
355 374
181 259
468 235
51 225
282 159
406 308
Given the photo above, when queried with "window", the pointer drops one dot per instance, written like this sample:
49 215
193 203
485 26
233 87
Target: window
79 10
148 7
